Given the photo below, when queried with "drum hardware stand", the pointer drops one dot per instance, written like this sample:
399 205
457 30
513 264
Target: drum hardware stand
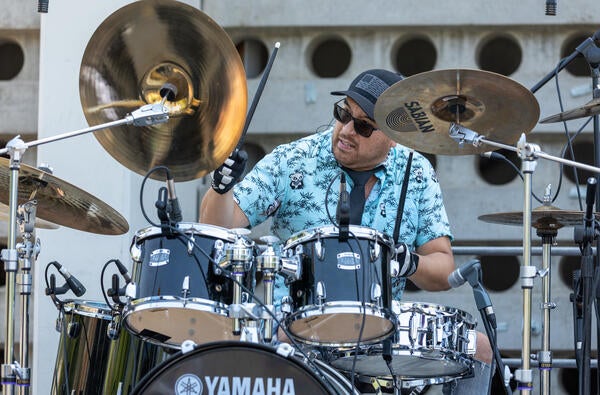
147 115
238 256
528 154
269 264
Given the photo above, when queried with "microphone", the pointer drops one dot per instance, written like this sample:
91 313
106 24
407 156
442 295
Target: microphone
590 198
173 206
343 209
123 271
74 284
551 7
43 6
461 275
492 155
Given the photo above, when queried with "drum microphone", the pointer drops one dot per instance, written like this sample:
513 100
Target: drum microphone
343 209
461 275
551 7
590 198
123 271
173 207
74 284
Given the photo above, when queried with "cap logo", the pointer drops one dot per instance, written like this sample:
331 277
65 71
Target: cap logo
372 85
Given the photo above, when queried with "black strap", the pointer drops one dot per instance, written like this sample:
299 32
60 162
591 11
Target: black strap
357 194
400 211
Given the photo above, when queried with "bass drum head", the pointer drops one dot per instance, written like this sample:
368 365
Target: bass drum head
240 368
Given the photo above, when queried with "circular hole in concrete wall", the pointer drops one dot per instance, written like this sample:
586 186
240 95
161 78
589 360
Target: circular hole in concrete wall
566 267
498 171
569 380
500 54
13 59
584 153
499 273
414 55
254 56
330 57
579 66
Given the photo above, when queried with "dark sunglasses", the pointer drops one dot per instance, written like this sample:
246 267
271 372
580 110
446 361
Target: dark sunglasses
361 127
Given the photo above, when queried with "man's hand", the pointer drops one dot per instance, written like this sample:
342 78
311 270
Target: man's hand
407 261
229 173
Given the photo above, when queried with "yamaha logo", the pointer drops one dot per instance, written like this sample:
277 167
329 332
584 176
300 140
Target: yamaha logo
190 384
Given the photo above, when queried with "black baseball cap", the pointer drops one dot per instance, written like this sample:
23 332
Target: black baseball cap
368 86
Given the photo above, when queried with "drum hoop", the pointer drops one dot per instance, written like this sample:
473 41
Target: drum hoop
86 308
190 227
405 307
151 302
360 232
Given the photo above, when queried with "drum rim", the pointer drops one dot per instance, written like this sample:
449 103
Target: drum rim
438 307
85 308
195 228
314 310
328 231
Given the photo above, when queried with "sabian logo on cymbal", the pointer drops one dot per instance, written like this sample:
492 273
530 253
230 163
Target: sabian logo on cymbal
419 117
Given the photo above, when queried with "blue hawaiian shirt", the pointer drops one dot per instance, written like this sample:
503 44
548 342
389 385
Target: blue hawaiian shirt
297 184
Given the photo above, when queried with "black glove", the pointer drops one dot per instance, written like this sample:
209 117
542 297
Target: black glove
407 261
229 173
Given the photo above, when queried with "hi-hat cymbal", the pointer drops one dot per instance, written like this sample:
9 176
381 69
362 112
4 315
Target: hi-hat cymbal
132 54
417 112
590 108
62 203
543 217
39 223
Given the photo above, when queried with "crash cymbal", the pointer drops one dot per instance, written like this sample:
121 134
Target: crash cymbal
62 203
543 217
132 54
39 223
587 110
417 111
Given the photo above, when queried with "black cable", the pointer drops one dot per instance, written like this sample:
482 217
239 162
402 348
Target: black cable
148 174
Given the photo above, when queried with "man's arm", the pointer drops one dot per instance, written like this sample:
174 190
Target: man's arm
436 262
222 210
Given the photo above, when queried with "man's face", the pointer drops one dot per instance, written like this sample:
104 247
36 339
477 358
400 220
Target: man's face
355 151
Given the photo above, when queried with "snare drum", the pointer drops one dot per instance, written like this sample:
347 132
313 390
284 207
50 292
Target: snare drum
343 295
242 368
164 310
432 345
89 362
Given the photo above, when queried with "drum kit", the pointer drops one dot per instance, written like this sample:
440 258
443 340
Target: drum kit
167 84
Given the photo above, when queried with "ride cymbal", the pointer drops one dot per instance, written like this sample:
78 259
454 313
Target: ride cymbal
543 217
587 110
417 112
129 58
62 203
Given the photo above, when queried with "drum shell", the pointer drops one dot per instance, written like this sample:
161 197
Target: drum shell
211 365
164 277
432 345
343 295
95 363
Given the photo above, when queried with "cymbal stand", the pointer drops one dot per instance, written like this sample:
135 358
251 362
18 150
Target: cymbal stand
12 374
544 356
528 154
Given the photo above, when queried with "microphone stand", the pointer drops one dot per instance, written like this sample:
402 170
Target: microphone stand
484 305
528 154
13 373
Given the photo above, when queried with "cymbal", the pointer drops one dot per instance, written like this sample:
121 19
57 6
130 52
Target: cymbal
129 58
417 112
39 223
544 217
590 108
62 203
